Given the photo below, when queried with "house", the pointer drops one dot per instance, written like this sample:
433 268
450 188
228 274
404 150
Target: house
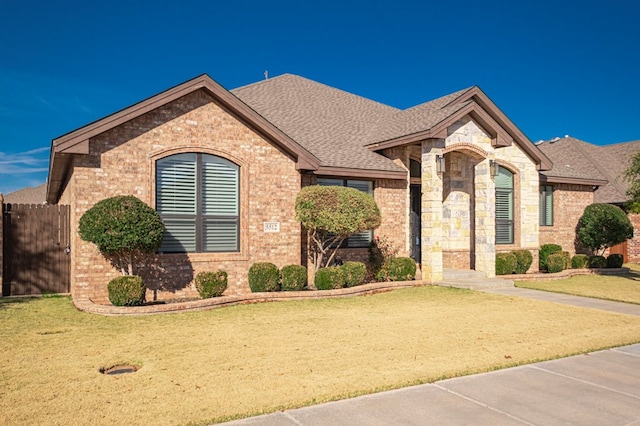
28 195
583 174
456 181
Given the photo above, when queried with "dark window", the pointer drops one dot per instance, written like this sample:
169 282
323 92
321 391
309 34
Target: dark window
197 196
504 207
361 239
546 205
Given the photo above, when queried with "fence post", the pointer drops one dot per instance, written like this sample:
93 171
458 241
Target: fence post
1 240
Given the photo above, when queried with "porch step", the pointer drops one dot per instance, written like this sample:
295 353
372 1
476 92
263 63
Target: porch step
473 280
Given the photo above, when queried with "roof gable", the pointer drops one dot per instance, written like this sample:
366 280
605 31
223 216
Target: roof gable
431 120
77 141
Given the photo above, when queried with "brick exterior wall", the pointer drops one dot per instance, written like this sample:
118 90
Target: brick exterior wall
569 202
122 162
633 245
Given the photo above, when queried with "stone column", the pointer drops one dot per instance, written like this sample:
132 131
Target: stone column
485 219
432 212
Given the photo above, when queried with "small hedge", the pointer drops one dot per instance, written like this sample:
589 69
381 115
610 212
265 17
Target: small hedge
211 284
615 261
402 269
294 278
505 263
329 278
567 259
354 273
264 277
579 261
128 290
524 259
556 262
597 262
545 251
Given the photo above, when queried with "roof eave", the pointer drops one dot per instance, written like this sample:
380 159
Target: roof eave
77 142
572 180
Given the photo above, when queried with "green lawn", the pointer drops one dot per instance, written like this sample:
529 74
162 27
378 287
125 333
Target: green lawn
621 288
244 360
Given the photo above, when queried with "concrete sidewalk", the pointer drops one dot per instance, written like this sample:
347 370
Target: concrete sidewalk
600 388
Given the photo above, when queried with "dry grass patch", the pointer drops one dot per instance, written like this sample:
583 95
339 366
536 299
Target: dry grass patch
244 360
620 288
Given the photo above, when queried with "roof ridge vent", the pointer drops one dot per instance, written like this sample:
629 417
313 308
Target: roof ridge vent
556 139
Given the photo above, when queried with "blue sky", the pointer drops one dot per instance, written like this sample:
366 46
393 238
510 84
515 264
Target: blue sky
554 67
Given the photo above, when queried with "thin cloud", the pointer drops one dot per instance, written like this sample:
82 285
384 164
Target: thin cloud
31 161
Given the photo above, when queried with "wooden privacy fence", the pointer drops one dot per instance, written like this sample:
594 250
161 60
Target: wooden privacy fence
35 249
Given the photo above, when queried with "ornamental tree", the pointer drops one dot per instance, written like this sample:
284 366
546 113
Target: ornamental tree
602 226
124 229
330 214
632 176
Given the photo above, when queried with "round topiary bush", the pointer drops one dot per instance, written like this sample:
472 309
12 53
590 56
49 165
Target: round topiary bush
579 261
402 269
211 284
294 278
122 227
524 259
556 262
603 225
329 278
264 277
128 290
505 263
615 261
597 262
545 251
354 273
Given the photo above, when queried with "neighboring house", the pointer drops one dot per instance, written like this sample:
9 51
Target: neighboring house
456 181
583 174
37 195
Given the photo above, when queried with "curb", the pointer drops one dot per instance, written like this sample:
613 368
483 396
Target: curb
87 305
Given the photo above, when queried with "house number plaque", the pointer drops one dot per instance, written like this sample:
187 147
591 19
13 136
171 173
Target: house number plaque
271 226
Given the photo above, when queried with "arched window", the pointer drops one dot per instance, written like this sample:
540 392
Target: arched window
504 207
197 196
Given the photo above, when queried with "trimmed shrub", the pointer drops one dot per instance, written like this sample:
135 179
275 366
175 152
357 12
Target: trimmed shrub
597 262
329 278
354 273
579 261
127 290
264 277
211 284
122 227
556 262
402 269
294 278
545 251
615 261
603 225
505 263
567 259
524 259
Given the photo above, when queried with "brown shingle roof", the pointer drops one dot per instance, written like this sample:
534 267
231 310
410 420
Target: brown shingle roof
573 158
330 123
28 195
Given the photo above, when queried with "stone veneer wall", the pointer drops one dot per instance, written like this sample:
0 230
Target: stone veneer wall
122 162
569 202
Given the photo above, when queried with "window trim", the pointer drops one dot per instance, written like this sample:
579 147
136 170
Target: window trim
199 217
510 222
546 205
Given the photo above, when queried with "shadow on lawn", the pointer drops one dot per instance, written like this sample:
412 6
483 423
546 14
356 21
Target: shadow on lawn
6 301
